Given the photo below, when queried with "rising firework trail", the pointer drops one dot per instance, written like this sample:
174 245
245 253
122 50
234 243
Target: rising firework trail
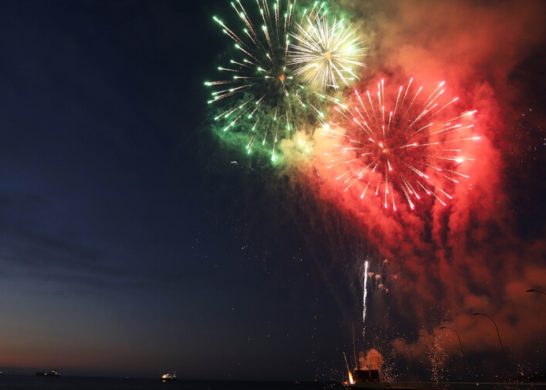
400 145
259 100
327 52
364 299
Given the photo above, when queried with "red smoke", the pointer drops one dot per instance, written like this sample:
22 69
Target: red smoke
467 256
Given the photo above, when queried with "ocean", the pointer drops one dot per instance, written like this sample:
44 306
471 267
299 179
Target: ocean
79 383
15 382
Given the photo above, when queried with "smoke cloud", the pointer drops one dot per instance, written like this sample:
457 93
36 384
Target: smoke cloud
372 360
469 256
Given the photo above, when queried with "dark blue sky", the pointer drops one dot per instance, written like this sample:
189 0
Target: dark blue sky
127 243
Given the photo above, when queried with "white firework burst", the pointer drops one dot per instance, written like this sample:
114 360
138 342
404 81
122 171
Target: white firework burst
327 52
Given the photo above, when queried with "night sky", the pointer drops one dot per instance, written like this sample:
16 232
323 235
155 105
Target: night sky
131 244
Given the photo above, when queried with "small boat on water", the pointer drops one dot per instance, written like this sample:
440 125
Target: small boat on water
168 377
367 374
48 373
365 379
370 379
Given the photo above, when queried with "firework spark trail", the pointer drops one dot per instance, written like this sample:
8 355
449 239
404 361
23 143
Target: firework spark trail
364 300
260 92
400 145
326 52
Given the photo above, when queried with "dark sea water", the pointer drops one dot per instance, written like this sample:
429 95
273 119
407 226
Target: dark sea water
77 383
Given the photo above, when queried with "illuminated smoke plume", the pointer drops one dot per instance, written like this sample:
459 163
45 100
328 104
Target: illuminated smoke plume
469 255
372 360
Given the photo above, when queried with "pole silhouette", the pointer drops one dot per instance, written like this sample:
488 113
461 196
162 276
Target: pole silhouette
494 324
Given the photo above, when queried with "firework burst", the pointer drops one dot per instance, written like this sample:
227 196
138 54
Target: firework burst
259 101
401 145
326 52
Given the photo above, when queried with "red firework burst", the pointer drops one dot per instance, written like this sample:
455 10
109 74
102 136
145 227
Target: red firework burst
403 144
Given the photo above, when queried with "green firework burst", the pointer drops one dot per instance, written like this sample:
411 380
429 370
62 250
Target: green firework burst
259 101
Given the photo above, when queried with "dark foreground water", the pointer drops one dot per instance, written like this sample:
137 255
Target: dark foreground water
75 383
78 383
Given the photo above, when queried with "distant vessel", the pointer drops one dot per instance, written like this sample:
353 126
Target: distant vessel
366 379
370 379
48 373
168 377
